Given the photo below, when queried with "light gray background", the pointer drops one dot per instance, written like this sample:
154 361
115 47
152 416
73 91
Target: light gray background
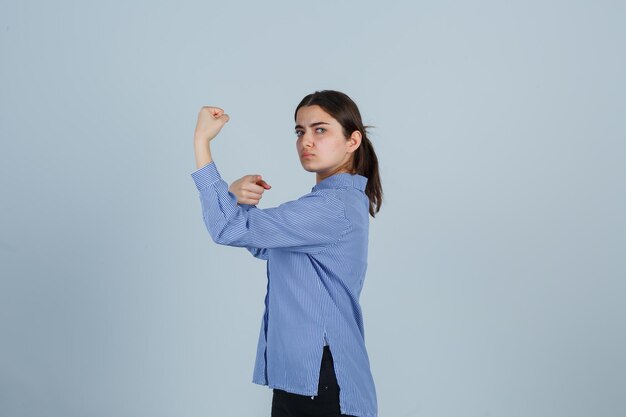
496 272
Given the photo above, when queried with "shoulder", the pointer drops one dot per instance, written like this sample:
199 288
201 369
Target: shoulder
325 200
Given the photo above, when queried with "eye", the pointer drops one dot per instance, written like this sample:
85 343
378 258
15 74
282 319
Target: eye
299 133
322 129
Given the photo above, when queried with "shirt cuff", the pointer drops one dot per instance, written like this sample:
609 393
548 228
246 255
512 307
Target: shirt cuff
205 176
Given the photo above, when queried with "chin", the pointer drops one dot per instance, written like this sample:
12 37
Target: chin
306 165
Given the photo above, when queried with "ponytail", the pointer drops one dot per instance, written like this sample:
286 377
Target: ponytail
365 163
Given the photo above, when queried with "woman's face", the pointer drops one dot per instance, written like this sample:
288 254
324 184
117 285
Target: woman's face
321 145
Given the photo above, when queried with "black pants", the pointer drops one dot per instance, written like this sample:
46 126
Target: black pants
325 404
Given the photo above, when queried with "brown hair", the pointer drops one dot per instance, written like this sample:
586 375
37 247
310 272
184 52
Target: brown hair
363 161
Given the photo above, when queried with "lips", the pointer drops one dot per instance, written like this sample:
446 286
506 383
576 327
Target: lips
307 154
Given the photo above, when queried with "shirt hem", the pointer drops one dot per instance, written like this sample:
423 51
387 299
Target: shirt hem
288 389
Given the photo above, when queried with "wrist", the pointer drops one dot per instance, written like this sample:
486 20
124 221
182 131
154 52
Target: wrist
203 153
201 140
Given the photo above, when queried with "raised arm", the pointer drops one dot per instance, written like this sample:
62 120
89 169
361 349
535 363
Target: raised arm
308 224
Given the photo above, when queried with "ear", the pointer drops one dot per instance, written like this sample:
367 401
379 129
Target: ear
354 141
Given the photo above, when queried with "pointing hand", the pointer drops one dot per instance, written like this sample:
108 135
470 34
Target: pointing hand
249 189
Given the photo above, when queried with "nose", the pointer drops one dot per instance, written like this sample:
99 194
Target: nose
307 140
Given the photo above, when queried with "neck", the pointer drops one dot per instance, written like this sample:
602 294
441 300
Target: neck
323 176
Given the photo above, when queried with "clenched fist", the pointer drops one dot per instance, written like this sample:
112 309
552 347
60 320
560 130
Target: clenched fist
249 189
210 122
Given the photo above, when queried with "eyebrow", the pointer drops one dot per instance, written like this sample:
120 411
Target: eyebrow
313 124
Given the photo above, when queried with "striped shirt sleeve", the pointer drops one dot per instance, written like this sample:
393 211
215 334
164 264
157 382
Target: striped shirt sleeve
308 224
260 253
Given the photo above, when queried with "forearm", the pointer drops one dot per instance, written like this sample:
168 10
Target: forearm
202 150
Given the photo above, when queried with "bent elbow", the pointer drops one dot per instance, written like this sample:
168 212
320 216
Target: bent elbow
216 231
220 237
227 236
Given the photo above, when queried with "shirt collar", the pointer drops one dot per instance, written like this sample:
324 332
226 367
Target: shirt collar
342 179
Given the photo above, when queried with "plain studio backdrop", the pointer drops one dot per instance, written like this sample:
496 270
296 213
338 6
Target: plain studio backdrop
495 282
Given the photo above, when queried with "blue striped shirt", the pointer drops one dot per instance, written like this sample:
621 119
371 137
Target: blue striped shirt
316 253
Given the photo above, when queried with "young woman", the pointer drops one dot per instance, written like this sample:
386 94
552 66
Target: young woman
311 347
